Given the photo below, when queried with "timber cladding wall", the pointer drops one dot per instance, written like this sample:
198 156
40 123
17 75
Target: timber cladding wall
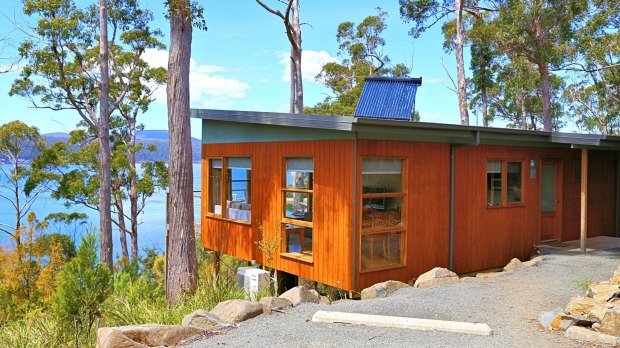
427 208
488 237
334 170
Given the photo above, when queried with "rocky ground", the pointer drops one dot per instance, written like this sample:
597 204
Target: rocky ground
509 304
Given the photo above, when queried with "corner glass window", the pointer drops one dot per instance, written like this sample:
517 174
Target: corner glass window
230 181
383 234
297 204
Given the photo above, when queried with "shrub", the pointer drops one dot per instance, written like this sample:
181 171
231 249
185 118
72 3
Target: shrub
82 286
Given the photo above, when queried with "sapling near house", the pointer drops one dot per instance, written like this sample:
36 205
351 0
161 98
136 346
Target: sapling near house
269 244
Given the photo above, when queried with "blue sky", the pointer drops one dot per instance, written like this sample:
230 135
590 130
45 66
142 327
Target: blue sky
240 62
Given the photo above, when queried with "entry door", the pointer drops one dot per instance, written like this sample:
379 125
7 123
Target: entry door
550 200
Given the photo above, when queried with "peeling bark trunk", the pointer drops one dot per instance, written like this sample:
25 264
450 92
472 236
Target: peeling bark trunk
543 69
121 227
460 63
297 83
523 112
133 191
485 107
181 265
105 211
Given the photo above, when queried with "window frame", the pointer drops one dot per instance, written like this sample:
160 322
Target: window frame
402 228
284 220
504 183
224 188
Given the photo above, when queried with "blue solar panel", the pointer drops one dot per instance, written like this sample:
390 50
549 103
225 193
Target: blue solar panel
388 97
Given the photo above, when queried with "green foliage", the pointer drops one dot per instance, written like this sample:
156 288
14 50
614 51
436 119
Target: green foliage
362 47
82 286
582 283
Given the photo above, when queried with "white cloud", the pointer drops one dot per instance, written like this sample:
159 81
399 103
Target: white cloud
311 64
207 89
432 116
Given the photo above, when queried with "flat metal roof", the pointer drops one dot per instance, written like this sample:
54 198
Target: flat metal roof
368 128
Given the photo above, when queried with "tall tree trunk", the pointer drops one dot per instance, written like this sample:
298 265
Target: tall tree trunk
122 229
460 63
543 69
523 112
133 191
181 266
105 211
485 107
18 223
297 83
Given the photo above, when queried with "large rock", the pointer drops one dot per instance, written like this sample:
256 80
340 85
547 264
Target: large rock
236 311
300 294
533 262
581 305
604 291
611 322
382 289
275 303
551 319
513 265
583 334
203 320
616 278
436 276
490 274
144 336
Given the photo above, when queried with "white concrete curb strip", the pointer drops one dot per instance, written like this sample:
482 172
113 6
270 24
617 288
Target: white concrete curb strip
402 322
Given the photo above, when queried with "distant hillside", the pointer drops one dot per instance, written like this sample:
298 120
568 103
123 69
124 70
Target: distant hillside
158 138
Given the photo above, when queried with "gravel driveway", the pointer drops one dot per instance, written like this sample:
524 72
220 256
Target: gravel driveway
509 304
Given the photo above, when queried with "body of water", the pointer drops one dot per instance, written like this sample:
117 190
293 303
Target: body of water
152 228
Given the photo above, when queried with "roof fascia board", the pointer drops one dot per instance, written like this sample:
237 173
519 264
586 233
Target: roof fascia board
273 118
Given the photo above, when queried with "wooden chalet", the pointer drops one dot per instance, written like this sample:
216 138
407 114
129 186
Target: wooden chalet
354 201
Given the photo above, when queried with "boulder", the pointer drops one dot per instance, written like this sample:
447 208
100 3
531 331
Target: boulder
597 313
578 320
551 319
204 320
582 305
436 276
144 336
611 322
490 274
300 294
513 265
236 311
533 262
583 334
382 289
603 291
616 278
324 300
276 303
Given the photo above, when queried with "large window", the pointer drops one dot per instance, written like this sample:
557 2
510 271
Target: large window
297 198
234 188
383 232
504 183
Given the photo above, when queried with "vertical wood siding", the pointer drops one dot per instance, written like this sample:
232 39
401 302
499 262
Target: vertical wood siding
484 237
334 168
426 208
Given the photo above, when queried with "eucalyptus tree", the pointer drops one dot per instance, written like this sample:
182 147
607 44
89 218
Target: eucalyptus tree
181 268
71 169
542 32
290 17
361 47
516 96
595 93
426 13
67 65
18 143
